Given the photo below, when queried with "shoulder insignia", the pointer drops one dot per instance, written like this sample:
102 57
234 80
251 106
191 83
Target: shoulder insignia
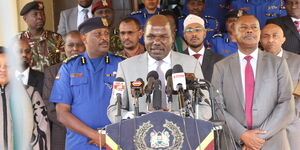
70 58
107 59
181 17
83 60
217 35
136 12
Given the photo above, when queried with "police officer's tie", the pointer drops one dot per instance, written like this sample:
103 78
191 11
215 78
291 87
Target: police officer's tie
85 11
162 79
249 91
297 24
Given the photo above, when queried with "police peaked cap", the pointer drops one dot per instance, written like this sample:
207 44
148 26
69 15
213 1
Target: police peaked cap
34 5
92 24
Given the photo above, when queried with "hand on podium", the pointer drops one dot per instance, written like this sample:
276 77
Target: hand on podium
98 140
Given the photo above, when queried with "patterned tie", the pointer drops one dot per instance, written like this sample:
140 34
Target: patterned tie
197 56
249 91
297 24
163 86
85 11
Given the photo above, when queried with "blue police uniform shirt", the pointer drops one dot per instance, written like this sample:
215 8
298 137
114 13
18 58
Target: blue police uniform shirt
222 44
87 89
142 15
262 9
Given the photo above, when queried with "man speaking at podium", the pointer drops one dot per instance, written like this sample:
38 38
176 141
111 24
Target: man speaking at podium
159 57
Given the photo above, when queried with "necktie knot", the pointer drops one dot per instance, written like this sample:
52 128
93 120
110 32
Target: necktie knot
297 22
197 56
248 58
85 10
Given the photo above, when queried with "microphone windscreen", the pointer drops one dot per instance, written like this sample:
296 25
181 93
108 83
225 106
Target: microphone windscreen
168 73
153 74
177 69
119 79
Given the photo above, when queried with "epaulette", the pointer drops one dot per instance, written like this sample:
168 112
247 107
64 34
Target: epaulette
70 58
136 12
217 35
181 17
118 54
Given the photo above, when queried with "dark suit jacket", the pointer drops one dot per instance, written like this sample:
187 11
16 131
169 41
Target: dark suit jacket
209 59
58 131
292 42
36 79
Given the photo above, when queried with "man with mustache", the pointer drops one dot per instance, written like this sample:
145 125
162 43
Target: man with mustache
46 46
82 88
130 33
160 58
271 39
194 34
255 93
70 19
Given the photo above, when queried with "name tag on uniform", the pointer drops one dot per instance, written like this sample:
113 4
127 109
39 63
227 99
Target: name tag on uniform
76 75
111 75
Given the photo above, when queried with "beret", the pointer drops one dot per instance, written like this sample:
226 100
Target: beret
235 13
34 5
92 24
101 4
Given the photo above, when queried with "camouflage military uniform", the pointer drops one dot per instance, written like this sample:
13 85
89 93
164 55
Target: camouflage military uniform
115 44
123 54
47 49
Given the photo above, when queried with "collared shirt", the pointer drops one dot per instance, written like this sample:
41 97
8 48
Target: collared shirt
201 52
243 63
280 54
24 74
165 66
295 19
80 16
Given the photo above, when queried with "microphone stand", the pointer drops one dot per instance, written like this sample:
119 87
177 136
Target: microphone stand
119 105
181 100
136 102
157 95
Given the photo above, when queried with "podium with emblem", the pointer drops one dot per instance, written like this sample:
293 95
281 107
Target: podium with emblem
162 131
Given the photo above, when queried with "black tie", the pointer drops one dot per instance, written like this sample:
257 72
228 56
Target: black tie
4 106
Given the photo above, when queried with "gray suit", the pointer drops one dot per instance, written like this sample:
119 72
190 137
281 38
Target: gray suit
67 21
137 67
293 130
272 102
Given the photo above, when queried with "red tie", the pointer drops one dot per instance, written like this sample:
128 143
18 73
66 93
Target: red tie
249 91
297 24
197 56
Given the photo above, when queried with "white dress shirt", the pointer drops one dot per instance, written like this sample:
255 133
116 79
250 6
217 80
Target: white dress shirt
280 54
202 50
243 63
80 16
165 66
24 74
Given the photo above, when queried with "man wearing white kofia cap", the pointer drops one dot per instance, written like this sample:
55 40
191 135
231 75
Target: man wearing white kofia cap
194 34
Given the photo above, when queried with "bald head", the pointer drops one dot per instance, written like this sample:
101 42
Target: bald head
158 37
272 38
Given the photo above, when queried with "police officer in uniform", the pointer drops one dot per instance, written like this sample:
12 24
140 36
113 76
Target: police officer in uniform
47 46
261 9
142 15
83 86
196 7
222 43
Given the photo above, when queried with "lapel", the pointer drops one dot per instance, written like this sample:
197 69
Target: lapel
143 69
260 67
234 66
284 55
31 78
206 59
290 24
73 17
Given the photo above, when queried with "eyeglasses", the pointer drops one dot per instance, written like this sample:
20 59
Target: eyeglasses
200 29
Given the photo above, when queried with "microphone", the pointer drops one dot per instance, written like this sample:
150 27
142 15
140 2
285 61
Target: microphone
118 90
137 91
157 95
151 77
178 78
169 86
179 84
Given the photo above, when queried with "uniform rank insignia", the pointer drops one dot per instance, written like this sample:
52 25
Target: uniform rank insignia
105 22
76 75
107 60
111 75
83 60
57 76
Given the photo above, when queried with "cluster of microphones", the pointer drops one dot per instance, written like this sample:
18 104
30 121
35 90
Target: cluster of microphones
177 83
